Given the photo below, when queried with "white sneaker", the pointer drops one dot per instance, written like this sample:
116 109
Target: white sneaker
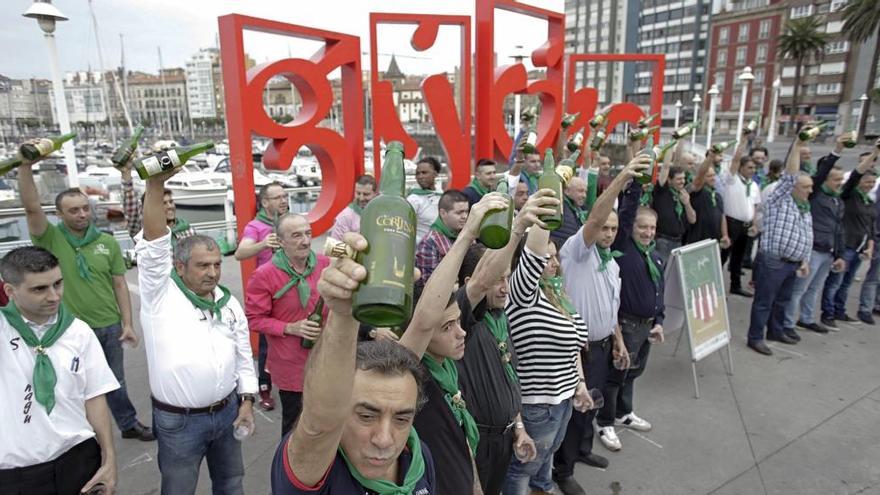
609 438
633 422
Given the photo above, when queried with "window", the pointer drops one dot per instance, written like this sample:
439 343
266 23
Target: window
761 56
832 68
834 27
828 89
756 101
723 35
734 99
741 55
764 30
743 33
836 47
759 77
722 57
838 4
801 11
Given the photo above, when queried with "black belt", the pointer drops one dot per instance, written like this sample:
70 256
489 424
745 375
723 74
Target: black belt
220 404
602 342
669 237
495 430
789 260
635 319
745 224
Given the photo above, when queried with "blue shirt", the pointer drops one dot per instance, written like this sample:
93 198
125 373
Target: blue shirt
640 296
338 480
788 233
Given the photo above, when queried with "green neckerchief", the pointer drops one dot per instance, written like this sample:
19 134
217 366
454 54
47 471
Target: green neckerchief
865 198
44 378
606 255
202 302
688 177
498 327
533 181
414 473
712 195
441 227
827 190
770 180
279 259
807 166
180 226
482 191
647 195
676 197
748 183
356 208
418 191
92 234
653 269
803 206
264 217
579 212
446 376
555 285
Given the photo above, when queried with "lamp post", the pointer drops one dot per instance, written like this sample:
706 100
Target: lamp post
697 100
47 15
713 100
771 132
745 78
677 112
518 57
864 100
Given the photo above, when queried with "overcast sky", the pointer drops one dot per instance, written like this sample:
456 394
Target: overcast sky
181 27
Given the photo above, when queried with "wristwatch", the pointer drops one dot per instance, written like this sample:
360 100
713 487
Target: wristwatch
250 397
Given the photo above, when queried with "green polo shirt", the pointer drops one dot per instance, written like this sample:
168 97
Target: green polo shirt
94 300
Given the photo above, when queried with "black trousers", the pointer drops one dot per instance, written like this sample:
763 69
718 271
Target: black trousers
493 456
739 242
579 434
66 475
264 378
619 388
291 406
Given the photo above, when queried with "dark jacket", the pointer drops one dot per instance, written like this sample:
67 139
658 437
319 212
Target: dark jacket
570 225
858 222
827 211
472 195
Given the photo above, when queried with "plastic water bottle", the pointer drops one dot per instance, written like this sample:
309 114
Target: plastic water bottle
242 431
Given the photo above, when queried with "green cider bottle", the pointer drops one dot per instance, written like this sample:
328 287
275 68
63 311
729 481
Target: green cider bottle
550 180
646 121
316 316
598 140
495 227
148 166
600 118
850 141
648 175
641 133
10 163
45 146
811 132
575 143
568 119
126 150
685 131
721 147
385 297
751 127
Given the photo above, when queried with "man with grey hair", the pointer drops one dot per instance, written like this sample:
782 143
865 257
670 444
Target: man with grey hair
199 355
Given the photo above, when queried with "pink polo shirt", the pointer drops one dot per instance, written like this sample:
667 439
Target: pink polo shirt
286 359
256 231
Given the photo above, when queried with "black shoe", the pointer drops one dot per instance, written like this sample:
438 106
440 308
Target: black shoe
866 318
876 311
790 333
139 431
594 460
742 292
785 339
829 323
813 326
569 486
846 319
761 348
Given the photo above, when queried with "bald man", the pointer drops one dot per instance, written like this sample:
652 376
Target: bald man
573 213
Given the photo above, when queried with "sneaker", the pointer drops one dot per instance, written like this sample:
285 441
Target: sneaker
846 319
866 318
830 324
633 422
267 403
812 326
790 333
609 438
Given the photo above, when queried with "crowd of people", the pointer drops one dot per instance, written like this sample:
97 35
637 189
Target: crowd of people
513 360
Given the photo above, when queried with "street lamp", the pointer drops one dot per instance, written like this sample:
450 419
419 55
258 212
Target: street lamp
697 100
745 78
677 112
517 56
713 100
864 100
47 15
771 132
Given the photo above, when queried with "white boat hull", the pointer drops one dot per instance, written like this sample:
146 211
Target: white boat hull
190 197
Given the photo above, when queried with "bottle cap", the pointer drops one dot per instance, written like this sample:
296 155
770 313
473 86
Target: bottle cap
337 249
565 172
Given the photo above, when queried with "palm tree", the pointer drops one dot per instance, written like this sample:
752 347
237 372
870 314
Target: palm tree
803 38
861 20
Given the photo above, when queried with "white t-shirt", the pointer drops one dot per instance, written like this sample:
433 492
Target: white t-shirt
28 434
736 204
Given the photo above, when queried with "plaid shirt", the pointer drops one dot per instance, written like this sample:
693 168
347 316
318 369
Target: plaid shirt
133 209
788 233
430 251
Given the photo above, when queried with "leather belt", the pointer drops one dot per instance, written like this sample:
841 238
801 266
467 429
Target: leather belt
220 404
635 319
495 430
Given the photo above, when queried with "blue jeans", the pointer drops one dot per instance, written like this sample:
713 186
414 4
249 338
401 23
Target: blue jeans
186 439
837 286
868 295
772 294
805 291
120 405
546 425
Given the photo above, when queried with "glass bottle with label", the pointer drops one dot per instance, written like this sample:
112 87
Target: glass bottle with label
124 153
44 146
646 121
685 131
495 227
600 118
316 316
641 133
811 132
550 180
648 175
163 161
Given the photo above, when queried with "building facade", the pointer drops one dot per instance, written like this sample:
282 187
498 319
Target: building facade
25 103
204 87
159 102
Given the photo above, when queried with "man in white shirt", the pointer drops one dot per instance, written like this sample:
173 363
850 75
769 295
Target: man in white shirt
425 199
56 435
741 196
199 356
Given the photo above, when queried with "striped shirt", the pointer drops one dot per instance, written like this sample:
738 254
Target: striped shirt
788 233
545 341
